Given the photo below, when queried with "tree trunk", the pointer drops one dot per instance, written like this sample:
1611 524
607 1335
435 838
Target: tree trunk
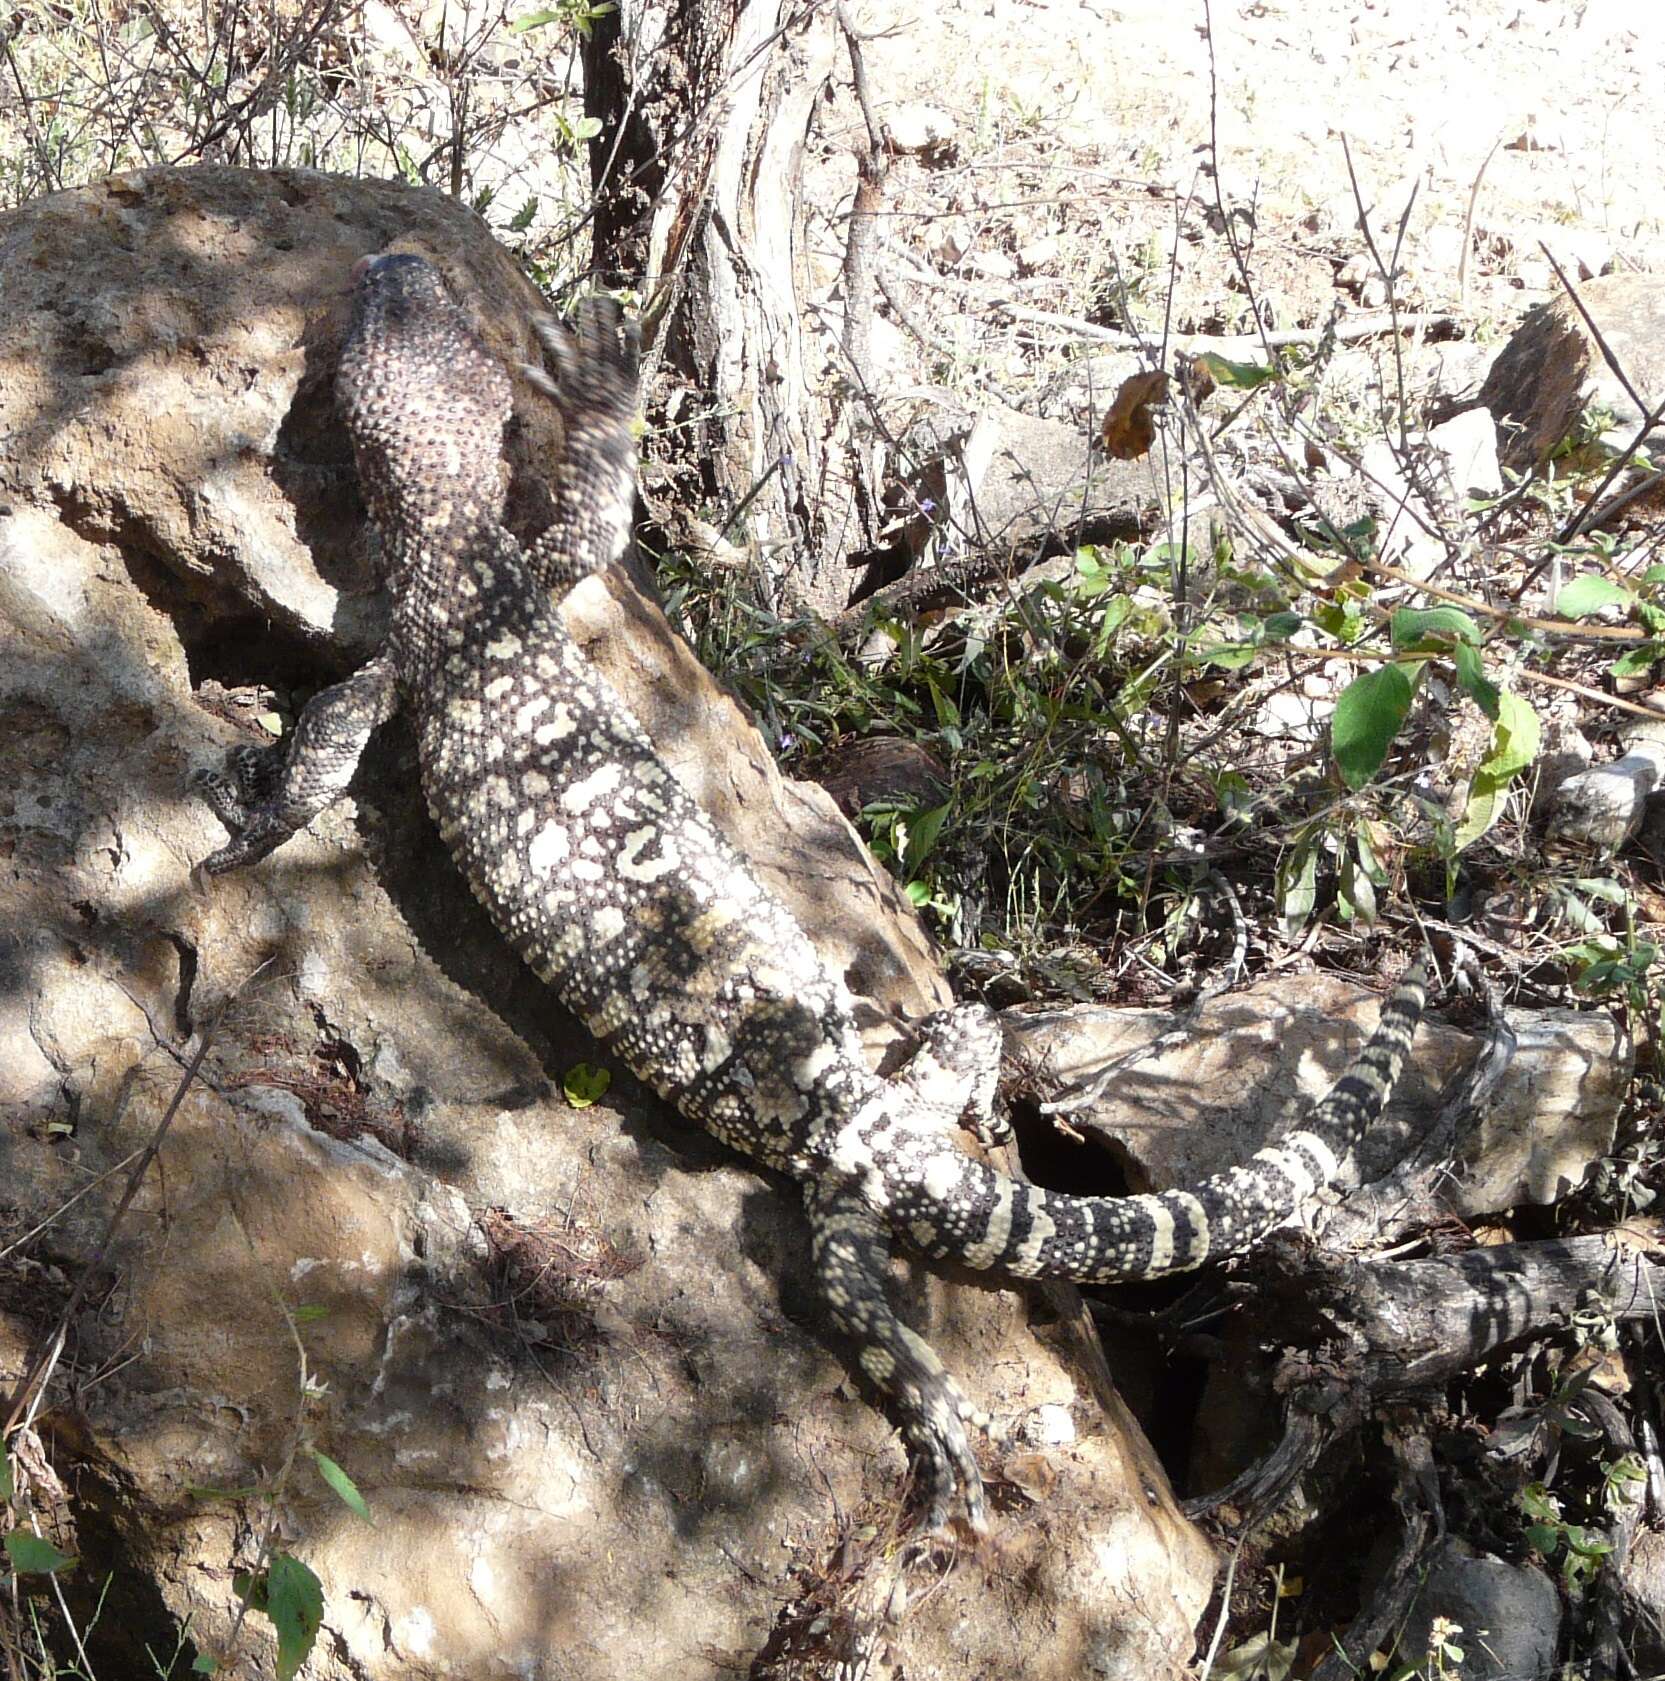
705 107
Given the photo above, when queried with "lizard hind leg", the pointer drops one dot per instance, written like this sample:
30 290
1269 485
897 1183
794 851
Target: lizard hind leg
851 1249
953 1075
596 364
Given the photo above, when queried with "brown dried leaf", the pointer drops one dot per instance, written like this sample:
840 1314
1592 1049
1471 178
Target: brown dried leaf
1031 1472
1129 428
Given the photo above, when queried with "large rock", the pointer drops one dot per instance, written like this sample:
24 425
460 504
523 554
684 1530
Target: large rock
1508 1615
1254 1060
582 1387
1553 369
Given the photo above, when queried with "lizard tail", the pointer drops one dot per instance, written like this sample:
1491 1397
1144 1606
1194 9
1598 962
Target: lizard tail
987 1219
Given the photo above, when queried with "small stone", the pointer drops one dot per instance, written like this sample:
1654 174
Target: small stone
1469 442
1534 276
914 129
992 265
1285 715
1051 1426
1039 254
1442 248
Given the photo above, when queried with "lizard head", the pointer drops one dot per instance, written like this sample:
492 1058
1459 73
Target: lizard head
424 400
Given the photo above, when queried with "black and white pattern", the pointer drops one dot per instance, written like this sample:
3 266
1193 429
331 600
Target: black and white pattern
614 886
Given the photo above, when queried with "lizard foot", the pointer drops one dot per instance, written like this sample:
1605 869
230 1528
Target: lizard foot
946 1472
851 1247
595 364
244 797
955 1071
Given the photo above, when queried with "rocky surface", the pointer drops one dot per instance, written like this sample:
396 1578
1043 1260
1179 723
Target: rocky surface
570 1356
1553 369
1258 1056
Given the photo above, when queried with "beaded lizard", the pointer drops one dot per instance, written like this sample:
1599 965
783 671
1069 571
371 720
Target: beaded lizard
614 886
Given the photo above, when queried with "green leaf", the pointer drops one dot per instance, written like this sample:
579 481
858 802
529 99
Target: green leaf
31 1556
309 1313
6 1484
341 1483
1360 534
1117 611
1297 888
1356 893
1237 376
1092 576
295 1603
1366 846
1602 887
1368 714
1516 738
1417 627
583 1084
948 714
522 218
1471 674
1340 619
1482 808
1637 662
204 1664
1281 626
919 895
922 836
1229 656
534 20
1581 918
1588 594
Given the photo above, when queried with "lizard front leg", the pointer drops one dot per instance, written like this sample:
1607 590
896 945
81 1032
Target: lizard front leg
594 487
851 1248
265 794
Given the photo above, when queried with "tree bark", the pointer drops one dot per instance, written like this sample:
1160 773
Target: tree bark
705 108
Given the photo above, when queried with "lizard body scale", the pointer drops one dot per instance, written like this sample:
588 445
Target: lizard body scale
615 887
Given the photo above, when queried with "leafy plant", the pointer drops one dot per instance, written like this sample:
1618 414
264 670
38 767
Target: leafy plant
292 1598
584 1084
1590 593
1580 1548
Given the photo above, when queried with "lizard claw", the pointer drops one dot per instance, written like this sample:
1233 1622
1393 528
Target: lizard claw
948 1478
243 797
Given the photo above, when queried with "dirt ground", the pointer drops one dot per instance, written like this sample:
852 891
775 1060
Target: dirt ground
1082 135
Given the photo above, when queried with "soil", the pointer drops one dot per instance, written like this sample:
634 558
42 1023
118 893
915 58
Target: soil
1078 179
